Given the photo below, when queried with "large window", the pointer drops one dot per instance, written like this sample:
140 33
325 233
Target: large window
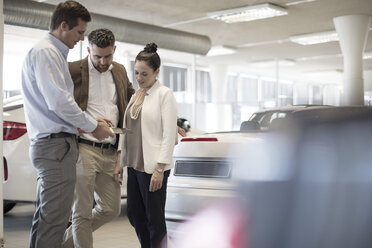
248 90
203 87
175 78
232 88
268 89
315 94
242 89
242 93
285 93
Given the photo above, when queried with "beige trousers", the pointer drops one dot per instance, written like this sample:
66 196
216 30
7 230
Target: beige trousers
94 181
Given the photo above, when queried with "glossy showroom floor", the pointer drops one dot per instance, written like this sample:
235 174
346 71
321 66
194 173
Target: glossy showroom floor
116 234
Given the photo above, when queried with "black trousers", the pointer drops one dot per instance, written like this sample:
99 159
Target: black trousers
145 209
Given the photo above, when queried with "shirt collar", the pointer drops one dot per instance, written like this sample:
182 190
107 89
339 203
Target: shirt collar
91 66
153 87
59 44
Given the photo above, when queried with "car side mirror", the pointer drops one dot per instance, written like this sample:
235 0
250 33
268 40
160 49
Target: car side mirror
249 126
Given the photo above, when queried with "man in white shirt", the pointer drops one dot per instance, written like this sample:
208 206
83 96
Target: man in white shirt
53 119
102 88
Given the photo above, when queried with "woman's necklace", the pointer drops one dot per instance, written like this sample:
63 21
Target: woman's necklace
136 108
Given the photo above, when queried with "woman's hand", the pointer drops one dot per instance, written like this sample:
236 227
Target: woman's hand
157 178
181 131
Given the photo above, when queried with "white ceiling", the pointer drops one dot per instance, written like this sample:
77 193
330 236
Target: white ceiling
266 39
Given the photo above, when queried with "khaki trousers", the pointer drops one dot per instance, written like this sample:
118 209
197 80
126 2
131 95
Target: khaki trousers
94 181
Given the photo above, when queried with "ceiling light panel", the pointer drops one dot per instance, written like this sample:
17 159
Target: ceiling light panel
221 50
315 38
271 63
248 13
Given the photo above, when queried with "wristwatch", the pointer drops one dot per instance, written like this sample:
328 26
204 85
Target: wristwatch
160 170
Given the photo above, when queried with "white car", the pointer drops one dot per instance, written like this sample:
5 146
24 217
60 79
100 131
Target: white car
202 174
19 175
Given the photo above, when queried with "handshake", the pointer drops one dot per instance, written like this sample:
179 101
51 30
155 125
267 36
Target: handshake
103 129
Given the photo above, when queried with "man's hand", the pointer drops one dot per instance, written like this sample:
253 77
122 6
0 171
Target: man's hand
102 131
108 121
118 171
118 175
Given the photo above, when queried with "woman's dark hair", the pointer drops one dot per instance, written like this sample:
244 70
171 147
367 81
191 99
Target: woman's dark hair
70 12
102 38
150 56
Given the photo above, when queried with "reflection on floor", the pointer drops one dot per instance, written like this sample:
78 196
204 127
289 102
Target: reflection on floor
118 233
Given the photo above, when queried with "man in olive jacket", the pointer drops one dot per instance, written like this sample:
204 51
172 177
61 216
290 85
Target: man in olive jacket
103 90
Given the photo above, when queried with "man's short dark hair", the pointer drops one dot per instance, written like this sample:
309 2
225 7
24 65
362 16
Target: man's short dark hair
101 37
70 12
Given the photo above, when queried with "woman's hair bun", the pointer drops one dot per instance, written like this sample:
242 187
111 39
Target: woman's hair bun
151 48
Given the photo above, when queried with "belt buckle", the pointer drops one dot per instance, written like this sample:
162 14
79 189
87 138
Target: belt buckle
95 144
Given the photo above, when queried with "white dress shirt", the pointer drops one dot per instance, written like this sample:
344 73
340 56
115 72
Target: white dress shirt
102 99
47 90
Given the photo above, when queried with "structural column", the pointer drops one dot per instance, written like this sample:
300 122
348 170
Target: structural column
352 32
218 113
218 74
1 121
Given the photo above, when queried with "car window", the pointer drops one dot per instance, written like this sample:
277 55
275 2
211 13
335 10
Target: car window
264 119
277 115
257 117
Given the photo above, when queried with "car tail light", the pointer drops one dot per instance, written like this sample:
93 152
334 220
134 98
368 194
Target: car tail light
198 139
13 130
5 169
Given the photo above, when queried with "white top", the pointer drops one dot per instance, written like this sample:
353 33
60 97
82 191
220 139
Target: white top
47 90
158 128
102 99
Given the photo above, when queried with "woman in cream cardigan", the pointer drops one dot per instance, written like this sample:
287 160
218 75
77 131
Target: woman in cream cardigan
147 151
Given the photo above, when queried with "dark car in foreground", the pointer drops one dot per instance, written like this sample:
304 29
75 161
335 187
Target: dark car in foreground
209 169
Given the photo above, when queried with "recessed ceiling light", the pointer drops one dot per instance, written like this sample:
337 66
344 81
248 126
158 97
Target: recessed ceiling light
268 63
335 71
299 2
221 50
248 13
315 38
319 57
